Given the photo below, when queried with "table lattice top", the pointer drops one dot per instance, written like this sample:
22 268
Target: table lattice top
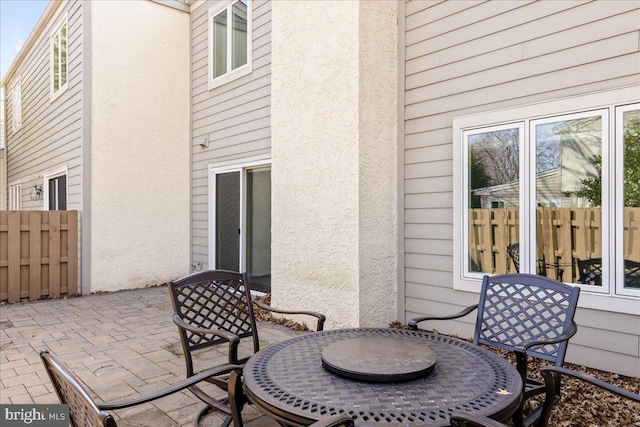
288 380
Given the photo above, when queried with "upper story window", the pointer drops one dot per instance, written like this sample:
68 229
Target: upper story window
229 41
17 105
59 59
553 190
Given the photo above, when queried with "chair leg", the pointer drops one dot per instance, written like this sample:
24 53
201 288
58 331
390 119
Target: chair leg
201 414
236 397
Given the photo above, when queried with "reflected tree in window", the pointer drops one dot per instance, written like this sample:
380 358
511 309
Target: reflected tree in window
498 152
591 188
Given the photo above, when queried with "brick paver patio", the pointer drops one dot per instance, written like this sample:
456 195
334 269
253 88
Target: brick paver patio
119 344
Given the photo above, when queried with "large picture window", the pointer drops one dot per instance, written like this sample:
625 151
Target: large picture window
556 195
59 59
229 41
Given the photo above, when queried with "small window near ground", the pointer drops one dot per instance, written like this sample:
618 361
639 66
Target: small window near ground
14 197
229 42
59 59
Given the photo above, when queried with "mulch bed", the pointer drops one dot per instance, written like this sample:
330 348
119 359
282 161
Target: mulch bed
582 404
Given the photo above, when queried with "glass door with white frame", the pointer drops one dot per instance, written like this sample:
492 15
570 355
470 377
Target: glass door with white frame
241 217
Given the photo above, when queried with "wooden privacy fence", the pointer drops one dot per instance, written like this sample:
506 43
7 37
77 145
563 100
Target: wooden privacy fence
564 235
38 255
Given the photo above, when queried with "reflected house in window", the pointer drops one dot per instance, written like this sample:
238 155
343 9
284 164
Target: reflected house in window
568 153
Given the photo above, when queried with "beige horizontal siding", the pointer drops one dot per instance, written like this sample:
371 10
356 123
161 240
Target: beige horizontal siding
466 57
236 117
51 132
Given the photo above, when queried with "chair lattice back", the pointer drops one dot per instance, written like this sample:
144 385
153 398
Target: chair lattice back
82 409
590 271
515 308
514 253
214 300
631 274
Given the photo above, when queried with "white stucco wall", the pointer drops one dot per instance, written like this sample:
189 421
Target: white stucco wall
139 144
333 160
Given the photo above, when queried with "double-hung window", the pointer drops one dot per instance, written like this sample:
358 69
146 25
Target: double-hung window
59 59
229 41
554 190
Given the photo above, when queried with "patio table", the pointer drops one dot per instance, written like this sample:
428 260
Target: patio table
288 382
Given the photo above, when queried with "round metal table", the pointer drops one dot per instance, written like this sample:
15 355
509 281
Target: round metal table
288 383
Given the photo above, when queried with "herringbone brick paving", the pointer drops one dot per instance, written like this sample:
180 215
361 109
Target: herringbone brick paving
120 344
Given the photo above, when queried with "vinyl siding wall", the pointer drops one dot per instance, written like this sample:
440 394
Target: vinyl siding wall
236 117
467 57
50 138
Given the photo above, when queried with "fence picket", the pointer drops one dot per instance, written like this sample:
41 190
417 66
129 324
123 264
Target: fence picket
54 254
14 257
35 256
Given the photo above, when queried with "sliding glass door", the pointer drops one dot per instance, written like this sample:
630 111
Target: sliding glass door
240 212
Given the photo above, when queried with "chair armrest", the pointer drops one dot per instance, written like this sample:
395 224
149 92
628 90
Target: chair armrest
568 333
334 421
229 336
413 323
552 374
181 385
464 419
321 317
550 379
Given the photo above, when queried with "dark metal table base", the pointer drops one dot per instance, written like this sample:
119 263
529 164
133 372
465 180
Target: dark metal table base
287 382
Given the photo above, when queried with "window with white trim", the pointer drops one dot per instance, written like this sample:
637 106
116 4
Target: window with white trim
56 192
14 197
17 105
555 193
59 59
229 41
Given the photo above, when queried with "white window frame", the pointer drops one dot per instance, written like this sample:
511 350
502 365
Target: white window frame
15 196
16 122
466 133
243 70
45 187
619 199
612 300
61 89
531 234
226 167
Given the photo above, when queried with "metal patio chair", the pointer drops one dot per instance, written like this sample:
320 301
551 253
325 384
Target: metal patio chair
85 412
339 420
513 251
464 419
527 314
212 309
552 375
590 272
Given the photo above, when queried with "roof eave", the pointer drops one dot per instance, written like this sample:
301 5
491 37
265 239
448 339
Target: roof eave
48 13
